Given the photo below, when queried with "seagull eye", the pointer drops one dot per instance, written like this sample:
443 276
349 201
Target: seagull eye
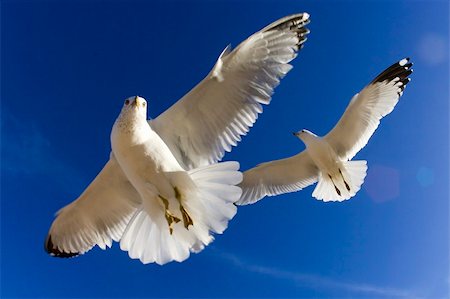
127 102
143 104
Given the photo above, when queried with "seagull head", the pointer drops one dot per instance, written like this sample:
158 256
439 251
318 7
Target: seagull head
304 133
135 107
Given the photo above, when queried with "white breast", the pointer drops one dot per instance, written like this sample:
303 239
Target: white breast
322 154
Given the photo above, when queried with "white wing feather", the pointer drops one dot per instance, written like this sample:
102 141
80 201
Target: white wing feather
363 114
277 177
213 116
97 217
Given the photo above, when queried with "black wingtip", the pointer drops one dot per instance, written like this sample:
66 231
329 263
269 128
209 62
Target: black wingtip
401 70
295 23
52 250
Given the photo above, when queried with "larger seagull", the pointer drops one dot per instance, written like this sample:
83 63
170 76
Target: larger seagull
327 160
160 194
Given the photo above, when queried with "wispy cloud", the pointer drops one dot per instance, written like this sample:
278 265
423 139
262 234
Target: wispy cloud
26 151
315 281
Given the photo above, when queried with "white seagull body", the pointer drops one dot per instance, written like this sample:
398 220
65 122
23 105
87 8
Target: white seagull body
175 210
160 194
178 208
327 160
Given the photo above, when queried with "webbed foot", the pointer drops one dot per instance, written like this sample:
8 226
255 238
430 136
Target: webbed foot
187 220
170 218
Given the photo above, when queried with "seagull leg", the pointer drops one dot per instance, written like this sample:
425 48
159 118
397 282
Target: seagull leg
346 185
187 220
336 188
170 218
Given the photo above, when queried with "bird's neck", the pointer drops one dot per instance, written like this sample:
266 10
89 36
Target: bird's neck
310 140
131 130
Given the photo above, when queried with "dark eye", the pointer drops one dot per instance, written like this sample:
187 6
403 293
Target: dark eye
127 102
143 104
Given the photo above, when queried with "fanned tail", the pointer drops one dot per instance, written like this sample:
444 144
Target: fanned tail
341 185
207 196
357 171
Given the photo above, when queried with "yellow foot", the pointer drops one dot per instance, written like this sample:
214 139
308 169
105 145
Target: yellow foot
187 220
171 219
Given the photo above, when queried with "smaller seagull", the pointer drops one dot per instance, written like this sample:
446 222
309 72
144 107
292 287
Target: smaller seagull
326 160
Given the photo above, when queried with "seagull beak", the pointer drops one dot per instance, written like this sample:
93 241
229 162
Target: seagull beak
295 133
136 101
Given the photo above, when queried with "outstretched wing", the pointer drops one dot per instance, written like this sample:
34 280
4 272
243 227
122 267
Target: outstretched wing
211 118
363 114
278 177
97 217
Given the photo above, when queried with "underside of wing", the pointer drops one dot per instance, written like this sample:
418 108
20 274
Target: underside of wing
363 114
278 177
98 217
213 116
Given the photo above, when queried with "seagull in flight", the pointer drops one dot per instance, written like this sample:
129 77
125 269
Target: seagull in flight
327 159
162 194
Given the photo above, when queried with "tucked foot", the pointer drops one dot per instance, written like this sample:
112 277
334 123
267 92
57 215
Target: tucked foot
336 188
170 218
187 220
346 185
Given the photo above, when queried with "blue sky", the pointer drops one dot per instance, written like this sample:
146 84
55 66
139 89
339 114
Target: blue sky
67 66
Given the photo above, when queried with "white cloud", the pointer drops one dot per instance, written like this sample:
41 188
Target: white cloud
317 282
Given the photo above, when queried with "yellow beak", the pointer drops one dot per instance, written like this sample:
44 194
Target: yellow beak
136 101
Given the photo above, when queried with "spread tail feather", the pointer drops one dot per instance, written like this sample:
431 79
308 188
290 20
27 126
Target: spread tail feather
208 205
341 185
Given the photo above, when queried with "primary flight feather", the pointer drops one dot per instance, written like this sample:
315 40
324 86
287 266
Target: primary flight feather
213 116
160 194
327 160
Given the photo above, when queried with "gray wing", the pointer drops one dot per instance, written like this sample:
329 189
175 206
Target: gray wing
278 177
97 217
363 114
213 116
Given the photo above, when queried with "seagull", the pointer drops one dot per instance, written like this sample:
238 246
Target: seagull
177 208
162 194
327 160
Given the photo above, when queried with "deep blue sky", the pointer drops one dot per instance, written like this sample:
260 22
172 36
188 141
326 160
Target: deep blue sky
66 68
